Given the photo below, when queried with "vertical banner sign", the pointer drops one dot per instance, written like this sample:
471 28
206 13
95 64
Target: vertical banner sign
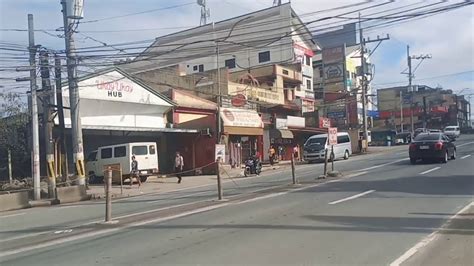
332 135
220 152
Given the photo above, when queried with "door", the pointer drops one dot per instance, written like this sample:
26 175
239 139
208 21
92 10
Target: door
146 161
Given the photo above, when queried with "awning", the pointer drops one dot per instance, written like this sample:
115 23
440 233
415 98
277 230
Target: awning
244 131
281 134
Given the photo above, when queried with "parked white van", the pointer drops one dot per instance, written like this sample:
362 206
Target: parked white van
145 153
315 146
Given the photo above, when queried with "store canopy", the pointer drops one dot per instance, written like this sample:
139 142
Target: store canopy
281 134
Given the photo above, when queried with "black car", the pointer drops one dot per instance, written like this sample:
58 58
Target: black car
432 146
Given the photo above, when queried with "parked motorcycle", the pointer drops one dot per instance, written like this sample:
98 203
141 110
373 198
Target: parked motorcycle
253 166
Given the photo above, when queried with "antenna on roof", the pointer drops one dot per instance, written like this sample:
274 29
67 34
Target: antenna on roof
276 2
205 12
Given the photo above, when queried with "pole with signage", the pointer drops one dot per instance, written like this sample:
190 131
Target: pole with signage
332 140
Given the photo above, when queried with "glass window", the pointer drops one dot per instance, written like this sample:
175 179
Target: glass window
92 156
321 73
264 57
308 60
106 153
139 150
342 139
195 68
151 149
422 137
308 84
120 152
230 63
201 68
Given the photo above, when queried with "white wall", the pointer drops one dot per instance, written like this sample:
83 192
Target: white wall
112 100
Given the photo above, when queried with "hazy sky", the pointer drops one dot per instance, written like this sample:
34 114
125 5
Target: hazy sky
448 37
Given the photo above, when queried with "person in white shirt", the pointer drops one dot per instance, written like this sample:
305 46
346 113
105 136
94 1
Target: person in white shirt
178 166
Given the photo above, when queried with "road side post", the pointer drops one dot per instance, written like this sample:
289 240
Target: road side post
332 158
219 181
121 179
293 168
108 196
325 163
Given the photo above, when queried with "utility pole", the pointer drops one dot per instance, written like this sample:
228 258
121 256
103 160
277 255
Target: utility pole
34 111
410 90
205 12
47 121
410 79
401 111
364 81
60 107
74 99
219 103
424 112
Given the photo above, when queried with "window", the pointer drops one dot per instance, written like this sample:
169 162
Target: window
264 57
308 84
285 72
195 68
139 150
92 156
321 72
106 153
230 63
151 149
308 60
120 152
425 136
343 139
201 68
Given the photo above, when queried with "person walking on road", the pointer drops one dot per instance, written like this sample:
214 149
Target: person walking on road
178 166
134 172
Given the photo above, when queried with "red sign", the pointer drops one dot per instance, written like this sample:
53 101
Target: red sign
324 122
332 135
238 100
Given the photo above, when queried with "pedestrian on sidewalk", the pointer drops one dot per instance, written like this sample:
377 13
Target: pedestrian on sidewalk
271 155
134 172
178 166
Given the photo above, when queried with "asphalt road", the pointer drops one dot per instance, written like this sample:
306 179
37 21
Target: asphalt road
376 215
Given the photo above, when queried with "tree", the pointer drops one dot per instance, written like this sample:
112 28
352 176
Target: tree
14 123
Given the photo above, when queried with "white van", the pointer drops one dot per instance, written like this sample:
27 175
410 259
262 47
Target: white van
145 153
452 131
315 146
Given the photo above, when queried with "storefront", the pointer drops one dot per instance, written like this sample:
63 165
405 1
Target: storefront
281 139
242 134
116 108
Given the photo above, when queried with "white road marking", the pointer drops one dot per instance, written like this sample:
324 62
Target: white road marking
107 231
431 170
352 197
466 156
12 215
385 164
356 174
401 153
425 241
464 144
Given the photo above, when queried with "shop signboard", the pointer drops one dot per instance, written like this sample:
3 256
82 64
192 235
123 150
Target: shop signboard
234 117
238 100
295 121
281 123
324 122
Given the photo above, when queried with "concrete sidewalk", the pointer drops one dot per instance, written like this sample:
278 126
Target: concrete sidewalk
156 184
